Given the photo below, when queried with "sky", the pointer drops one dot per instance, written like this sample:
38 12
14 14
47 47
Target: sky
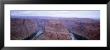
65 14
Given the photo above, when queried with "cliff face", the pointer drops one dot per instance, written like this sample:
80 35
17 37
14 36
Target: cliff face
89 30
22 28
55 30
85 27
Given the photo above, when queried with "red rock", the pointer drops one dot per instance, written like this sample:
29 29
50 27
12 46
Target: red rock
22 28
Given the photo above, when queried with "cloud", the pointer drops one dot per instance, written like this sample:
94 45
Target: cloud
66 14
